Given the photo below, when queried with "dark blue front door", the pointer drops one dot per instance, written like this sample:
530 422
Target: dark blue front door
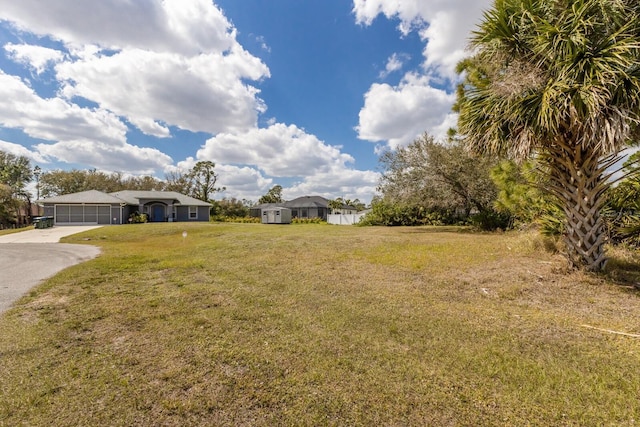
157 213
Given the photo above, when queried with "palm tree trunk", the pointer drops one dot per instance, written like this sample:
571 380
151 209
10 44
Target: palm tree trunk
577 177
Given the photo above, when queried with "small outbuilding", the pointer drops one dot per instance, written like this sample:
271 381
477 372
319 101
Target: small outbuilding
276 215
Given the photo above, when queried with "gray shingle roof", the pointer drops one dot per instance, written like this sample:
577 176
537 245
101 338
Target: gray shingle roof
301 202
308 202
128 196
90 196
132 197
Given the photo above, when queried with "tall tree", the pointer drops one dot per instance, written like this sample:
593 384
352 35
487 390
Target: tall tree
558 80
274 195
336 205
204 180
438 176
145 182
15 174
57 182
230 208
339 202
178 181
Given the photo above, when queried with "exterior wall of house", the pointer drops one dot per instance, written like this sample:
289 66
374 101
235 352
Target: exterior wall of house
116 215
203 213
311 212
184 213
68 214
95 207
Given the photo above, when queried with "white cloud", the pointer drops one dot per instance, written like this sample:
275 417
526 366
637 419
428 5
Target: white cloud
155 63
338 182
278 154
54 119
108 157
243 182
396 115
81 135
263 44
279 150
444 25
20 150
36 57
179 26
201 93
400 114
394 63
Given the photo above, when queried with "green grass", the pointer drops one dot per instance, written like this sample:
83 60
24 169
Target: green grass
261 325
14 230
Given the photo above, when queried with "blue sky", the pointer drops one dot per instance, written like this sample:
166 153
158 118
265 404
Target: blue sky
301 93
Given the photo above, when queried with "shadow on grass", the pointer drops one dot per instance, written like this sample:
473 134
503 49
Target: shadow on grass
625 271
433 229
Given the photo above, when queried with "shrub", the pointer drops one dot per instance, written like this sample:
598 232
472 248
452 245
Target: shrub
138 218
237 219
396 214
314 220
491 220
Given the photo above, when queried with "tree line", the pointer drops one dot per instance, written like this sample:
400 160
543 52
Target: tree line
198 182
433 182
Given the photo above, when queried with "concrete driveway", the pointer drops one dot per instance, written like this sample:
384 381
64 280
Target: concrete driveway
29 257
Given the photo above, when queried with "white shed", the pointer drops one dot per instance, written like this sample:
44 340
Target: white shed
276 215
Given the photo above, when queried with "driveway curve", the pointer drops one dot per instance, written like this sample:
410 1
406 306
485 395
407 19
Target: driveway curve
29 257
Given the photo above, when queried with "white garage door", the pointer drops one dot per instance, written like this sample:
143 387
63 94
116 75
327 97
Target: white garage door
83 214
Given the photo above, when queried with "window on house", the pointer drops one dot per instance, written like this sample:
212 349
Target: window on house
193 212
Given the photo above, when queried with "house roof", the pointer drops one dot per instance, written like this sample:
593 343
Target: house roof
133 197
90 196
129 197
308 202
301 202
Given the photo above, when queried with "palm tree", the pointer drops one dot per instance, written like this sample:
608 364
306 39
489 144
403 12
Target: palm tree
336 205
558 80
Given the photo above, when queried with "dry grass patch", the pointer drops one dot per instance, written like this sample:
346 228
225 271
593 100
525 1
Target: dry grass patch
320 325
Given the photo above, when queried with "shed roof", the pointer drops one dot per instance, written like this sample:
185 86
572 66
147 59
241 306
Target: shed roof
268 205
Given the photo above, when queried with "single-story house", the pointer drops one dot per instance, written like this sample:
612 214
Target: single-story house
303 207
96 207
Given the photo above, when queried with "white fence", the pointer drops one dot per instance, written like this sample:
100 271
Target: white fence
346 219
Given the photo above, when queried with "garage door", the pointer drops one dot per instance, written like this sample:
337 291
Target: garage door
83 214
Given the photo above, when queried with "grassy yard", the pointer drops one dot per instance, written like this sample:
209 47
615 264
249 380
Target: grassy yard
313 325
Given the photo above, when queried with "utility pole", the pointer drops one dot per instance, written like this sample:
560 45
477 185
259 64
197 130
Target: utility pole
37 172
